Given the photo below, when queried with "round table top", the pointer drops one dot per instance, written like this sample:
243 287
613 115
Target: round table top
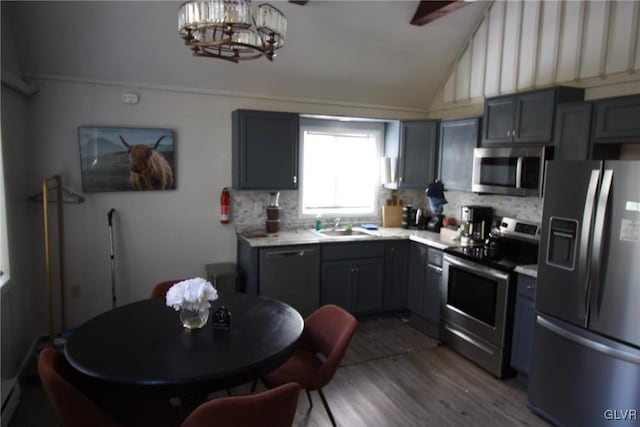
145 344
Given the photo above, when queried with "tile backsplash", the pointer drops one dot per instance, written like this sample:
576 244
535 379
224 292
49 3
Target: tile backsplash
248 210
526 208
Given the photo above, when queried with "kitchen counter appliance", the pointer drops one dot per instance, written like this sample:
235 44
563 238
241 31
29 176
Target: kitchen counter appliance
479 293
585 368
476 221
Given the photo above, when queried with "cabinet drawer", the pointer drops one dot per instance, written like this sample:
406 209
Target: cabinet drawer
435 257
527 287
340 251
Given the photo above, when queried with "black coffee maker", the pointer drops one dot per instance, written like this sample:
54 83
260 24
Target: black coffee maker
435 223
476 223
408 216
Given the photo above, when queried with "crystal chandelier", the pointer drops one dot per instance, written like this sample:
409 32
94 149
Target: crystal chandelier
230 30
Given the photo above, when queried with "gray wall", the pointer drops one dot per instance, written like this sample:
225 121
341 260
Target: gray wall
23 300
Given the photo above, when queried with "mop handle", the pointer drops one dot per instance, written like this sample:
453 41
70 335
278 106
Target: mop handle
113 279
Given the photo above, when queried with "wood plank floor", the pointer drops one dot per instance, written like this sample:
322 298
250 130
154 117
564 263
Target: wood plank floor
392 376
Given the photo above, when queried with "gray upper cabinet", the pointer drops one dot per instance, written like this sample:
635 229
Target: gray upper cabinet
458 138
617 119
524 118
417 156
265 150
499 116
572 131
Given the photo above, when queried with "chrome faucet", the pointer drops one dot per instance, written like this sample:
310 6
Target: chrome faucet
337 223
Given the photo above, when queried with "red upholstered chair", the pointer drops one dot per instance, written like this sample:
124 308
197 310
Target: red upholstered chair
74 408
272 408
160 290
71 406
328 332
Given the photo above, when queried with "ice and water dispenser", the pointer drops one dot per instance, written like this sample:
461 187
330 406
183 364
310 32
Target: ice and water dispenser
563 236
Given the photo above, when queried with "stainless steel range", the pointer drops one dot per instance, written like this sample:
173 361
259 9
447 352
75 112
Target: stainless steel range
479 293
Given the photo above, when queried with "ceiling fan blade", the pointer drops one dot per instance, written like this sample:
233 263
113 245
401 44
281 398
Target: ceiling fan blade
428 11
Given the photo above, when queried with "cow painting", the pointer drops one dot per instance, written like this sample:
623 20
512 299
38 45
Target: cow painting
127 159
149 169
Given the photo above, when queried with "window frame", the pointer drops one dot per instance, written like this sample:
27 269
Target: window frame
332 124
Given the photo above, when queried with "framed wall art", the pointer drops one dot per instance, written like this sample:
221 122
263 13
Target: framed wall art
126 159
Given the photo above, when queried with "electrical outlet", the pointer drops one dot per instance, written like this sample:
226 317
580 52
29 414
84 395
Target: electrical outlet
75 291
257 209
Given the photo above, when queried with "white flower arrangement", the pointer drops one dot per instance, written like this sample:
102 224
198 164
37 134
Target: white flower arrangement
191 294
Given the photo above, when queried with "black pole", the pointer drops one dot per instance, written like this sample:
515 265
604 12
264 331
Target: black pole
113 276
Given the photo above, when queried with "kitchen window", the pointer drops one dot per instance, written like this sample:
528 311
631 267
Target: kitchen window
340 166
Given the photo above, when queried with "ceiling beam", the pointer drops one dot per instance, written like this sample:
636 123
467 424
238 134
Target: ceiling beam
428 11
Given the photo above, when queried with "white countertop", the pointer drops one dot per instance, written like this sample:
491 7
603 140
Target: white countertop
307 237
528 270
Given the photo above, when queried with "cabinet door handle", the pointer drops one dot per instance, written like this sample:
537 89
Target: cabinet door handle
295 179
435 267
531 287
286 254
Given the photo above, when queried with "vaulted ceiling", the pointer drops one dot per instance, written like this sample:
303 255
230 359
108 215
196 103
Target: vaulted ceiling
362 52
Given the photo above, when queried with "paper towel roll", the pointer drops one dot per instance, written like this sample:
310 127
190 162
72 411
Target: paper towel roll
385 170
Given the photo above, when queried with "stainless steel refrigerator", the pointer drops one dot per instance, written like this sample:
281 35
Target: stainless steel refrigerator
585 368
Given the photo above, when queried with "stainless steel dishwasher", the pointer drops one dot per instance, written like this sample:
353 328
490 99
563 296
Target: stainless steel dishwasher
292 274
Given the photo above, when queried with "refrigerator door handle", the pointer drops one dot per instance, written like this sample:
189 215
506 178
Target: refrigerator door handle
585 237
598 233
584 341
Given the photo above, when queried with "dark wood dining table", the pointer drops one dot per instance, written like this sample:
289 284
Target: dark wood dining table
144 346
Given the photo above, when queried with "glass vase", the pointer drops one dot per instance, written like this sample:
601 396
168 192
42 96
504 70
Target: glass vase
194 319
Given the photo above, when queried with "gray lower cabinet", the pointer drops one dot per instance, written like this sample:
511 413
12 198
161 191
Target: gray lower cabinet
291 274
424 294
396 263
523 324
264 150
352 276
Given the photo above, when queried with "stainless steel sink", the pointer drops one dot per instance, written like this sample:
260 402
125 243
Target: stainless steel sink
341 232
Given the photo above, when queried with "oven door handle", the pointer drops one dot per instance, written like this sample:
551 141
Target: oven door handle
481 270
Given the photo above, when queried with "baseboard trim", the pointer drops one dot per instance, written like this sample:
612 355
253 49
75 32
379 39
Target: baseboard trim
10 404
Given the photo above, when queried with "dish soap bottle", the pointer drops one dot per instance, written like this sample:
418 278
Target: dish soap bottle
318 222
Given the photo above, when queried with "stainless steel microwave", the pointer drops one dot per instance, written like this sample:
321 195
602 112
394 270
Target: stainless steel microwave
515 171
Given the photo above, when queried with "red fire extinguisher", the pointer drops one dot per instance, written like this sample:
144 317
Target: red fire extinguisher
224 206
